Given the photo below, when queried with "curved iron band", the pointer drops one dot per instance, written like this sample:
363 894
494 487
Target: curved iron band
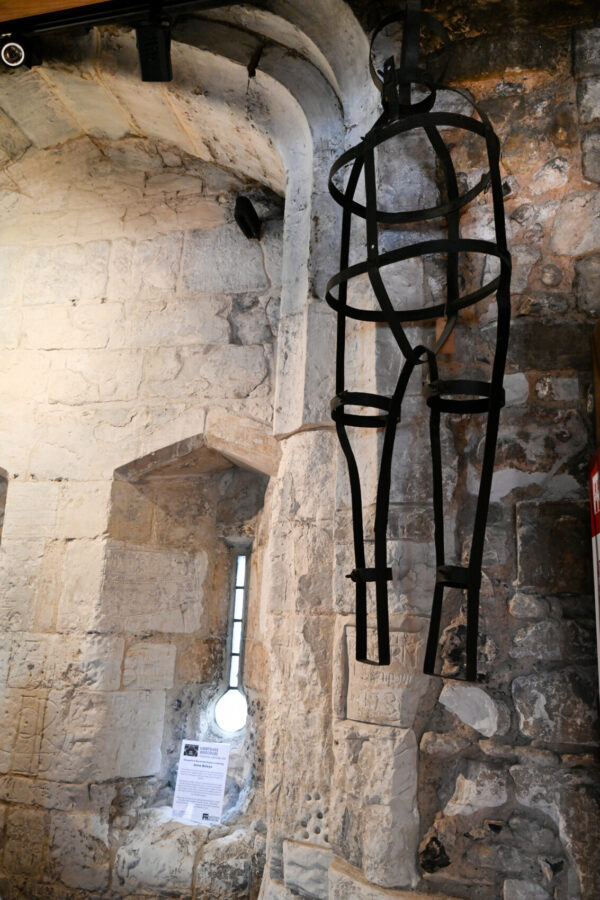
384 133
442 245
360 398
426 18
486 391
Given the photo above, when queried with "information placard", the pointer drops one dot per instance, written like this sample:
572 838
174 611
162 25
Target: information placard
200 785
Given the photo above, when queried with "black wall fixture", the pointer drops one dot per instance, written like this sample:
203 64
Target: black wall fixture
153 41
410 108
247 218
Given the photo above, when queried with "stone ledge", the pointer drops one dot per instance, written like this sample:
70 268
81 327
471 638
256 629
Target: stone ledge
348 883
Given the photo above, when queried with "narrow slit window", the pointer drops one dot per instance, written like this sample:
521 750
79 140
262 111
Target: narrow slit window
231 710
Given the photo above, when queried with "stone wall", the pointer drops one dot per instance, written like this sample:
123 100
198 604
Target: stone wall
488 789
153 356
145 305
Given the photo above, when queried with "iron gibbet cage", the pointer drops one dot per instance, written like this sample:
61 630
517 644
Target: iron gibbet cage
409 99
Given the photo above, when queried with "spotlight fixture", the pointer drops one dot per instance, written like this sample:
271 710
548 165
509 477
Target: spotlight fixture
14 51
247 218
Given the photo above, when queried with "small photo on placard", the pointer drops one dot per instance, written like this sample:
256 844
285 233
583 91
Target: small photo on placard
200 785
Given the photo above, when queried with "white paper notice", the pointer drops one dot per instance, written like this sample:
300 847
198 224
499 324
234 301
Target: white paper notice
200 782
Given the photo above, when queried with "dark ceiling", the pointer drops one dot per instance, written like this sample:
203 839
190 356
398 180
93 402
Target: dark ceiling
468 18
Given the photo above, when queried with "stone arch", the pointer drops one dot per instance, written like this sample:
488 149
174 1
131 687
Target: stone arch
290 108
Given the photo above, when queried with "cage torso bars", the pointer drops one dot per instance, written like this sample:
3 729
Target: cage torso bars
401 116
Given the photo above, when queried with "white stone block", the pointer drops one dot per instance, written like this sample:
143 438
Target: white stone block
92 376
82 580
158 854
375 780
243 441
588 98
156 264
10 704
152 590
31 510
553 174
272 245
473 706
209 372
222 259
308 482
319 378
90 103
61 661
45 273
149 666
24 375
146 104
175 321
391 695
305 868
37 111
94 736
11 282
25 848
20 566
84 508
79 850
482 788
13 142
270 889
517 389
575 231
68 327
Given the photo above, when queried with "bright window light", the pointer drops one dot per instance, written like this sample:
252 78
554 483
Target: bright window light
231 710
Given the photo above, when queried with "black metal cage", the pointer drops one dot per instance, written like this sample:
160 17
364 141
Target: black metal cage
409 96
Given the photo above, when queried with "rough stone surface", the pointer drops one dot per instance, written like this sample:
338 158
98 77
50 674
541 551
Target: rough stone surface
151 353
79 849
473 706
557 707
587 272
552 538
348 883
305 869
157 853
590 147
573 233
481 788
375 801
517 889
390 696
588 98
586 55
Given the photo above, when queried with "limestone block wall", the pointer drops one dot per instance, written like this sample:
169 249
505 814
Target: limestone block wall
151 356
130 300
425 787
